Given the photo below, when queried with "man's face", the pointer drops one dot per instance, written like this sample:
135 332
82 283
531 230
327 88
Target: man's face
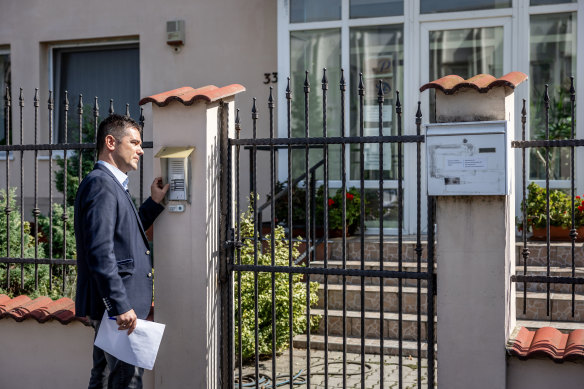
127 151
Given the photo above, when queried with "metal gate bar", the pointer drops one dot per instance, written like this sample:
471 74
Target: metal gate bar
548 143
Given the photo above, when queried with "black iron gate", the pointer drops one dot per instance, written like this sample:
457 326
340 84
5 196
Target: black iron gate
268 288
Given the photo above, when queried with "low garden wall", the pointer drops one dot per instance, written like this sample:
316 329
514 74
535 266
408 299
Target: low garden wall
48 355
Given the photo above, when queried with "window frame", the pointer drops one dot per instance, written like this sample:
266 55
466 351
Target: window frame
77 46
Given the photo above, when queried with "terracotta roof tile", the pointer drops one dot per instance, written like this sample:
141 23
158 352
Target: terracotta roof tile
41 309
8 304
549 342
481 82
188 95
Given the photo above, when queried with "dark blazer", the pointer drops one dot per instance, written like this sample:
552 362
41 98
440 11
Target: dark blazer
114 267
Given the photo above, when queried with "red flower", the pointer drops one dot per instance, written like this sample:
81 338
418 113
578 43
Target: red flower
350 196
578 197
331 202
581 208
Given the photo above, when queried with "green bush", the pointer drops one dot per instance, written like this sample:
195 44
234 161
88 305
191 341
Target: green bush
44 227
299 321
27 244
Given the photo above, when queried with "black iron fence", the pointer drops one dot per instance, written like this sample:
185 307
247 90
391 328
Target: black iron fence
267 278
551 208
37 252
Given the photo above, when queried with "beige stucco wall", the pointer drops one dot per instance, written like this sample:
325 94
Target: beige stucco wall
543 373
475 305
225 43
47 356
186 252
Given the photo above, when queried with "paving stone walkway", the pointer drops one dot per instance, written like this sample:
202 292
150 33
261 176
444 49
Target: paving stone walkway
335 371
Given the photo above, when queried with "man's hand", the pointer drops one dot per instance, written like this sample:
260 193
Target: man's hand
127 321
157 190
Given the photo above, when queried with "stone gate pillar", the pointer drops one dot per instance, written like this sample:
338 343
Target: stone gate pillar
186 236
470 170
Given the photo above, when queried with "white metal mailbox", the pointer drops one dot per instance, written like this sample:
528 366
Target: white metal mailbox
468 158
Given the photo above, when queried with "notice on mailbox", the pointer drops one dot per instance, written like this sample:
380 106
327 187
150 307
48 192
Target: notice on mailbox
466 163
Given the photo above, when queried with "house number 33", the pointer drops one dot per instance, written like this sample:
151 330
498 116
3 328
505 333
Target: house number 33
271 78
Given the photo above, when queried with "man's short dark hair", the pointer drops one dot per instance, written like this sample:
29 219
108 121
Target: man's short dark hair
116 126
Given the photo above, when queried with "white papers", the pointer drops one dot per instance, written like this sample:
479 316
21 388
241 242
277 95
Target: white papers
139 348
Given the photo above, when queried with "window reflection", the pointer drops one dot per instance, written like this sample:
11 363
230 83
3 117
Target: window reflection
377 52
302 11
542 2
432 6
552 61
466 53
313 51
375 8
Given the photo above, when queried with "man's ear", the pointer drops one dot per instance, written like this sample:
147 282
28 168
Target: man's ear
110 142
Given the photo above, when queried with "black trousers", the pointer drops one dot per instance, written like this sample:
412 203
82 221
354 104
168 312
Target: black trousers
109 372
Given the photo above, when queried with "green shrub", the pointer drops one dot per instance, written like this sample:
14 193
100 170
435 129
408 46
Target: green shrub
44 227
299 321
27 244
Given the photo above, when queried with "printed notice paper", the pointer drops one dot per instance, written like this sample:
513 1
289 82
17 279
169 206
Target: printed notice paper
139 348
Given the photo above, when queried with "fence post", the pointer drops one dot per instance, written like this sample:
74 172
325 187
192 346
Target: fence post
187 250
475 237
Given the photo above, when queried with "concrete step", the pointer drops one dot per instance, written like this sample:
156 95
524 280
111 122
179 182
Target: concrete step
560 254
560 307
371 248
372 346
369 265
563 326
372 298
554 272
372 324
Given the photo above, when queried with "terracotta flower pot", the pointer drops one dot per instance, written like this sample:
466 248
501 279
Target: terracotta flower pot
558 234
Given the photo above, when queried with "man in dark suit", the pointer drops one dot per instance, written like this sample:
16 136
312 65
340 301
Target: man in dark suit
113 254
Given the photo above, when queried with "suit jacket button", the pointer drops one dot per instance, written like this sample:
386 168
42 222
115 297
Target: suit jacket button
147 252
149 275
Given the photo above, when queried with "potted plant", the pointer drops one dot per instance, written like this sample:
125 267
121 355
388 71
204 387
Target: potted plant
560 214
335 211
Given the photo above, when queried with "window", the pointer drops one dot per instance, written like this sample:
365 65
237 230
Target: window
377 52
405 44
314 11
552 61
431 6
375 8
105 72
542 2
374 50
312 51
466 53
4 82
